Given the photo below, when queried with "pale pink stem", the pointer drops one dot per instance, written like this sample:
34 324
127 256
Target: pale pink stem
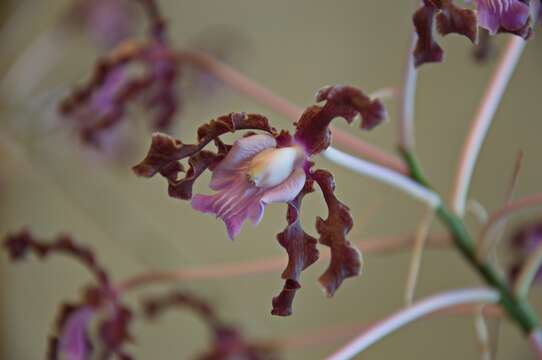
220 271
482 121
329 334
508 209
407 102
266 97
418 310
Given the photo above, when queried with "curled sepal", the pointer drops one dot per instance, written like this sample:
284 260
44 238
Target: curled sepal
454 20
165 151
450 19
312 130
154 306
427 50
302 252
345 260
20 244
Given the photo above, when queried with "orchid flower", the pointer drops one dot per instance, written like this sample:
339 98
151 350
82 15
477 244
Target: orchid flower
271 167
504 15
72 340
99 105
511 16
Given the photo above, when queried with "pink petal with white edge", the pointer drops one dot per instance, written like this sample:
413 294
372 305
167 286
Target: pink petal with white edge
288 190
242 150
255 213
245 148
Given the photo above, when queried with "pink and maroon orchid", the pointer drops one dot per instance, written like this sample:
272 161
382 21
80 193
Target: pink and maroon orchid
72 340
271 167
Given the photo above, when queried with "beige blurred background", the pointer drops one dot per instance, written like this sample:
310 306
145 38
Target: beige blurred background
51 184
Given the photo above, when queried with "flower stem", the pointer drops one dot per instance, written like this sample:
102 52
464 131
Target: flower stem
482 121
384 175
420 309
265 265
266 97
518 309
407 99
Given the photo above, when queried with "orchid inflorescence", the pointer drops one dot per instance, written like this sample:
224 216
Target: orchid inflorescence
265 166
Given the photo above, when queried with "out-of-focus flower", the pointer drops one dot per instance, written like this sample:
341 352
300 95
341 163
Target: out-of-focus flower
107 22
72 340
524 241
511 16
143 72
260 169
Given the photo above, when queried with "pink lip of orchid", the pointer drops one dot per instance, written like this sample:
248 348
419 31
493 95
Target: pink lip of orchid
510 15
74 342
253 174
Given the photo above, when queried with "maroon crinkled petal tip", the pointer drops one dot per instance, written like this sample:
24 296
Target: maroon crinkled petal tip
312 129
345 258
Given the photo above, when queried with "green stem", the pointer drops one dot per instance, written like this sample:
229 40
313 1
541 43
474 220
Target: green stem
518 309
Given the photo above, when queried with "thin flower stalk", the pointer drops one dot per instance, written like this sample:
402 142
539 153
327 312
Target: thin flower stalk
325 335
418 310
266 97
407 99
528 273
267 265
520 311
478 210
482 121
422 234
482 333
384 175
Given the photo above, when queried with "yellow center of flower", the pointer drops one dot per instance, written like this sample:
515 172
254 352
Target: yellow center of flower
272 166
